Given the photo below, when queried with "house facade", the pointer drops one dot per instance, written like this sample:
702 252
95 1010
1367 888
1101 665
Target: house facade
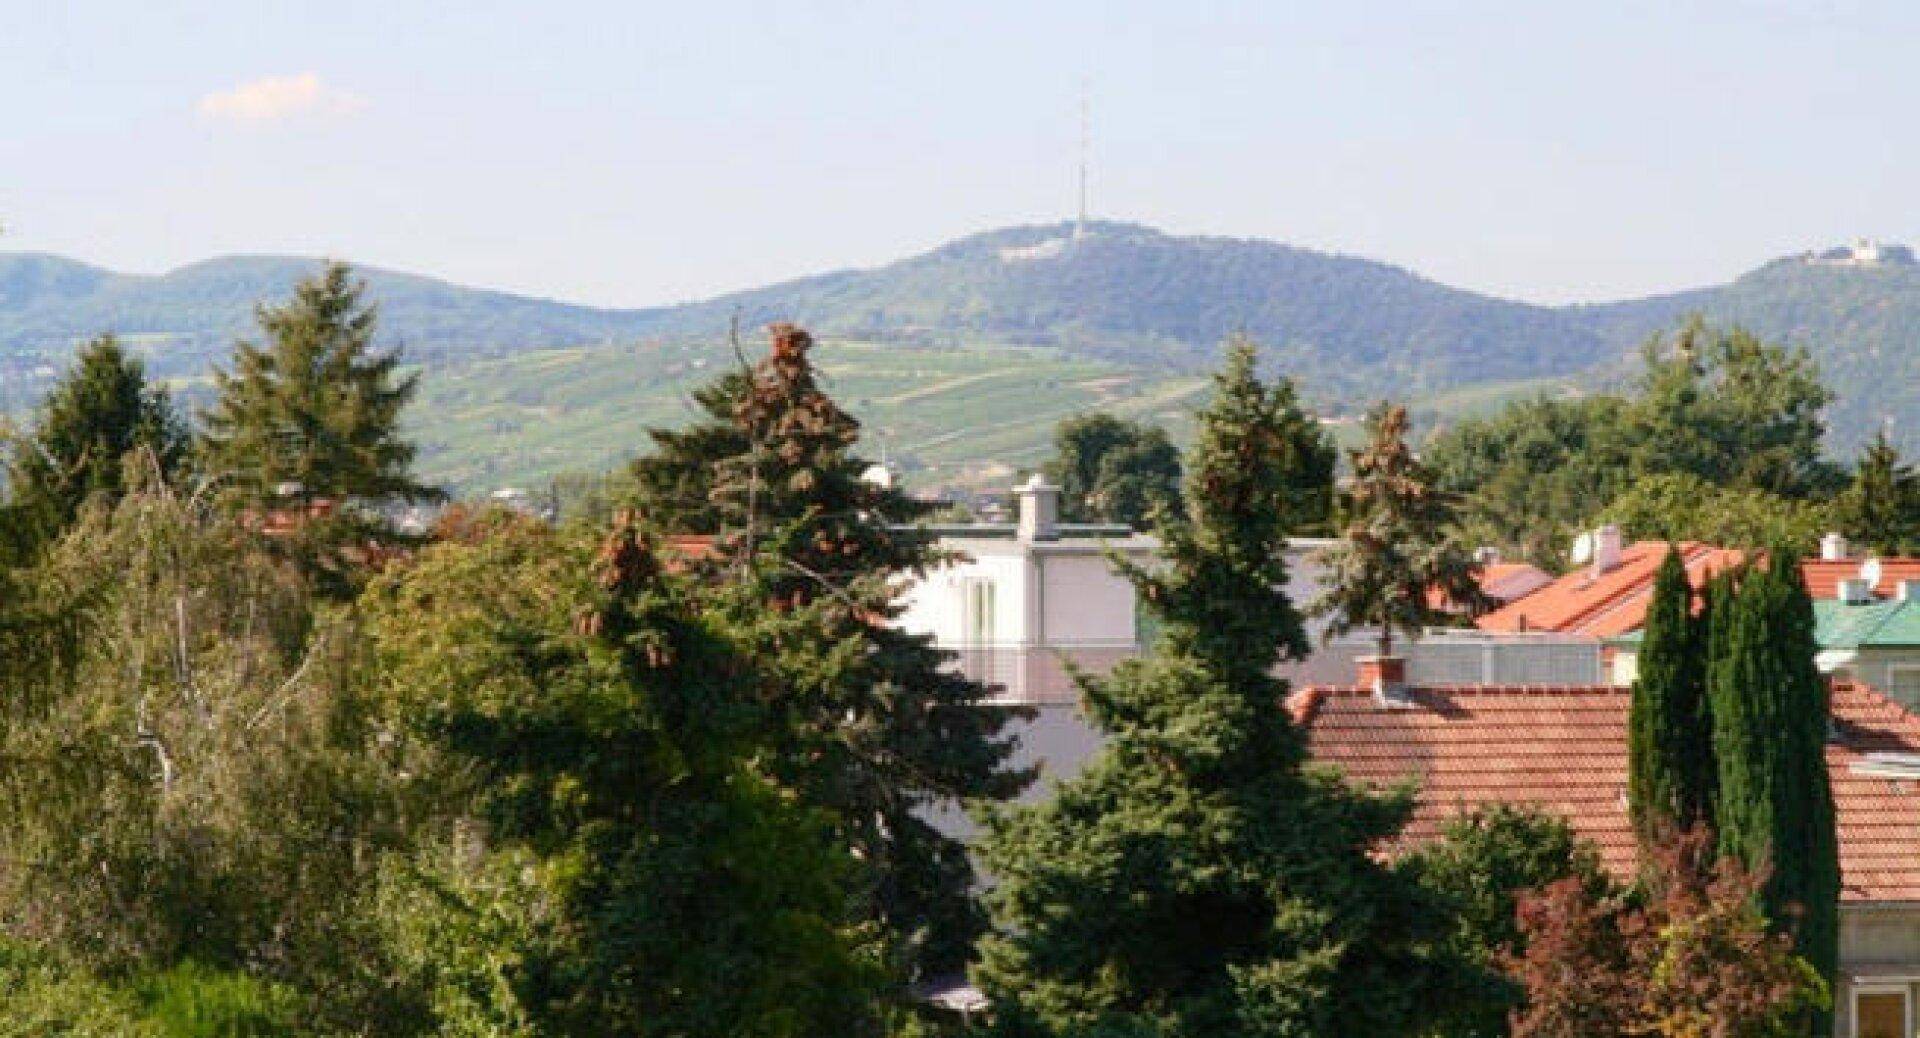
1563 749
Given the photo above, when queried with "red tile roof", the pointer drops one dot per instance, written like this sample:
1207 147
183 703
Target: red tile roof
1565 751
1610 603
1502 582
1615 602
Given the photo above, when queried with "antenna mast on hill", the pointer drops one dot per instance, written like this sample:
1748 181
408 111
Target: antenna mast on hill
1086 151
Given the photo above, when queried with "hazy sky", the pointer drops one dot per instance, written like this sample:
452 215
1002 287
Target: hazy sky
636 153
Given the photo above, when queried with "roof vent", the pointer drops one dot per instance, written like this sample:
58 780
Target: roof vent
1854 591
1833 547
1486 555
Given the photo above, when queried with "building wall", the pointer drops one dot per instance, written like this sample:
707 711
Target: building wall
1879 950
1895 671
1084 602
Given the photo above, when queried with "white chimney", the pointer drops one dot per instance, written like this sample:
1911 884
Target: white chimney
1039 509
1606 549
1833 547
1486 555
1870 572
1854 591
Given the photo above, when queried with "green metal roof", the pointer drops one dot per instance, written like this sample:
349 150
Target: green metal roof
1881 624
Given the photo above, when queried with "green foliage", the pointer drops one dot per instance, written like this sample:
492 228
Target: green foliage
1880 511
1397 545
1720 441
1483 864
102 411
600 858
315 406
1769 703
874 725
1110 470
186 782
675 481
1197 878
194 1001
1670 758
1679 506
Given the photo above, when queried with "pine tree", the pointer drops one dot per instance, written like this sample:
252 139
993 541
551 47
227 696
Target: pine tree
315 406
1670 765
876 727
100 412
1196 879
676 480
1880 511
1770 721
1395 550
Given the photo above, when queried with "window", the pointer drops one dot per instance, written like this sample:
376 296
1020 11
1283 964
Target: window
1881 1013
977 622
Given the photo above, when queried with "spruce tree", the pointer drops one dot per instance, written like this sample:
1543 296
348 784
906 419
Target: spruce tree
875 725
1880 511
1396 548
103 410
1770 708
315 406
675 481
1670 765
1197 879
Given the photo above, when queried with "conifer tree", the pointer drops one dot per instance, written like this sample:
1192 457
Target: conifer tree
1670 765
610 861
1880 511
1196 879
1395 550
1770 719
675 481
103 410
875 726
315 406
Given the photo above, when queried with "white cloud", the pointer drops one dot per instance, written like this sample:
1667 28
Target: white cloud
272 98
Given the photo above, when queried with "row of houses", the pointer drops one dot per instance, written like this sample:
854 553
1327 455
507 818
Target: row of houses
1526 706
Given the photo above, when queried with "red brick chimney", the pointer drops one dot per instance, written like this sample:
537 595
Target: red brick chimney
1386 676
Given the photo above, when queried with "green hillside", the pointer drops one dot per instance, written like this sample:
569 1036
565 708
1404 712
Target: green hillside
518 389
943 416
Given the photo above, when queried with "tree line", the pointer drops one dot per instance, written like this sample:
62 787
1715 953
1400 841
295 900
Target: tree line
273 767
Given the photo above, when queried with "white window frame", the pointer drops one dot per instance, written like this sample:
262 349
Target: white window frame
1905 991
1895 671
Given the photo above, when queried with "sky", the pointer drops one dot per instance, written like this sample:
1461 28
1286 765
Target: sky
630 153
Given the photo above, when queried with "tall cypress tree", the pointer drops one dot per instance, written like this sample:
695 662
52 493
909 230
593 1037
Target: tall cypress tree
1197 879
1770 709
315 406
876 726
101 411
1670 765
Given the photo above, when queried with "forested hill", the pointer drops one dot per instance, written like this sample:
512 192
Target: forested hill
185 317
1153 304
1132 294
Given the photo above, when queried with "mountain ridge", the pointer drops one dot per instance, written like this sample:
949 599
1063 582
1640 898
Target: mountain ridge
1128 295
